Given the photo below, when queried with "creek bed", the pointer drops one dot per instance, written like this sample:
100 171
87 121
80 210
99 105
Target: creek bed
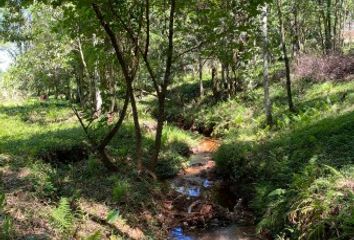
203 206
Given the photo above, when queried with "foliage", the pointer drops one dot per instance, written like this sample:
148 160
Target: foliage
120 190
237 159
43 179
95 236
62 217
197 65
291 183
6 224
169 164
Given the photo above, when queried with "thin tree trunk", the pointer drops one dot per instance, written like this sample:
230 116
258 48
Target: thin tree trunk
296 38
85 72
166 81
328 27
267 101
228 81
138 135
97 98
159 130
201 87
285 56
214 80
323 44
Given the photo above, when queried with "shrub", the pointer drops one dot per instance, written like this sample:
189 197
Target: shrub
322 68
181 148
234 160
44 179
318 205
169 164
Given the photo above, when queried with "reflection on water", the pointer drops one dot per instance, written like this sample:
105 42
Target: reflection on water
228 233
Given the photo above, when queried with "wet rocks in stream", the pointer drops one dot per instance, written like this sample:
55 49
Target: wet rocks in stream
192 202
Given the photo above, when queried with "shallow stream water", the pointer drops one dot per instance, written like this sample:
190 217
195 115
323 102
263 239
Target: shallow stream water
208 202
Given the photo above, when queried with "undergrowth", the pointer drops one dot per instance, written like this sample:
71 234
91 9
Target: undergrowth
298 177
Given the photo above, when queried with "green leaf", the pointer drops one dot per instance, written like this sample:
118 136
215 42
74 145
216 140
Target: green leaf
113 216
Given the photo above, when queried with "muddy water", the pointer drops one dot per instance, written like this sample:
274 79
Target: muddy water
210 210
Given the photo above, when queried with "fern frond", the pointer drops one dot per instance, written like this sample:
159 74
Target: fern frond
96 236
62 217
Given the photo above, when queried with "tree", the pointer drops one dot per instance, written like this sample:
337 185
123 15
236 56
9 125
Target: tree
267 100
285 56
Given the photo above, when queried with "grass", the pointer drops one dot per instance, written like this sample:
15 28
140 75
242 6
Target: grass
31 126
33 135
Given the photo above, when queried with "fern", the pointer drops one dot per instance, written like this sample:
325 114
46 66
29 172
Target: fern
62 217
120 190
2 200
95 236
6 226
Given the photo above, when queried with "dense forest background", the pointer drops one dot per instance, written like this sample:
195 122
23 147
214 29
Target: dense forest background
106 102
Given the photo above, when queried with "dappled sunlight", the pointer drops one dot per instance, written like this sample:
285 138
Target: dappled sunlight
177 120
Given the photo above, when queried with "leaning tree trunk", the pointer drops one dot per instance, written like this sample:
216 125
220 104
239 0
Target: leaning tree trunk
267 101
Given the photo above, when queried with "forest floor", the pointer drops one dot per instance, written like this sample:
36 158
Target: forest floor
55 189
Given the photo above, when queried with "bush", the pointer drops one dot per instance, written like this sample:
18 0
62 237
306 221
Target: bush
44 179
234 160
318 205
181 148
169 164
322 68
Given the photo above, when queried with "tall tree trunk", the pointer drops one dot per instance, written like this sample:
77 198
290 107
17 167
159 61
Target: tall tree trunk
228 81
56 90
112 89
68 92
296 38
267 101
328 26
97 98
86 74
322 38
223 81
214 81
201 87
285 56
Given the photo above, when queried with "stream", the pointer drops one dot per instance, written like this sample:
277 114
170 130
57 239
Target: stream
202 206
